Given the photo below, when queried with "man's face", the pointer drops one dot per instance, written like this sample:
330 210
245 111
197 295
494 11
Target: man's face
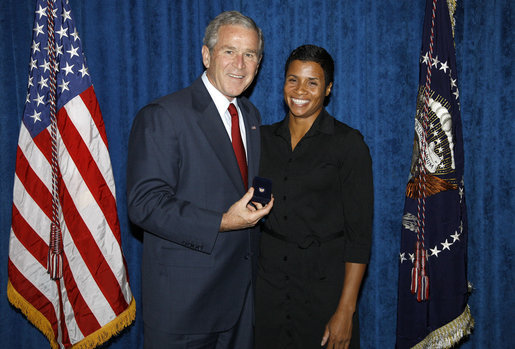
234 61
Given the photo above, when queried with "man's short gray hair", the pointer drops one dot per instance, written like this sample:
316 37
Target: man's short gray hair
230 18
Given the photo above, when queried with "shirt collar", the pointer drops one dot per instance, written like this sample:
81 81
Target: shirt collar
323 124
221 102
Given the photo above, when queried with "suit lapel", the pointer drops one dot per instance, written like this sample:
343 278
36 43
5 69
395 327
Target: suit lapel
211 125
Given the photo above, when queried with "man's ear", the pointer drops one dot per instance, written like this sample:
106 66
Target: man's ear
206 55
257 67
328 89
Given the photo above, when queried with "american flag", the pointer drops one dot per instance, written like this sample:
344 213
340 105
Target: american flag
433 309
86 299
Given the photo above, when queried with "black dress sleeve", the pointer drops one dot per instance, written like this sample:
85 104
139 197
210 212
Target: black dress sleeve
357 195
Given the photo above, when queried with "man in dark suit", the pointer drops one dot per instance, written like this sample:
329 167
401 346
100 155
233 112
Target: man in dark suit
191 156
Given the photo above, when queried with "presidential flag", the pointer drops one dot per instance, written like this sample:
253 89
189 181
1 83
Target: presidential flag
66 269
433 287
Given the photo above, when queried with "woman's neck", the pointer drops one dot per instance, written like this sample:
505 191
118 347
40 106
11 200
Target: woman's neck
299 127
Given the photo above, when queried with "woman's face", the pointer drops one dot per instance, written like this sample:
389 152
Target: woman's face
304 89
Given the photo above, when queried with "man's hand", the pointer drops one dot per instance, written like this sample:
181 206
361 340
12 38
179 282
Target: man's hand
243 215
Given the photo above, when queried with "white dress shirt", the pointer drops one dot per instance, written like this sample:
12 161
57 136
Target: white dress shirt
222 103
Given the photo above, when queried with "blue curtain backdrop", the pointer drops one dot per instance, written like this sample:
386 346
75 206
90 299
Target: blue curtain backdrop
138 50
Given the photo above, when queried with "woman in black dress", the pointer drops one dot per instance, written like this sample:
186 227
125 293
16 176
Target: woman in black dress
316 241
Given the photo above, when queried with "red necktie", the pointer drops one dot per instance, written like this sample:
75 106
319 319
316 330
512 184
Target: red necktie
237 144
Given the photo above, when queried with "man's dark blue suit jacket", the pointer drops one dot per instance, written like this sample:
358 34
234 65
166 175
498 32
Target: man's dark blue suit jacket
182 175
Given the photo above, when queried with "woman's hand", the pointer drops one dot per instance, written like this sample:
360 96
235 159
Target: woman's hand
338 330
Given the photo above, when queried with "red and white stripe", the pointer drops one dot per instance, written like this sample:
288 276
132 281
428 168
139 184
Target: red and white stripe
94 288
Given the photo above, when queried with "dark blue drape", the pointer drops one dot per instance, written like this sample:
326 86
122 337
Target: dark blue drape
141 49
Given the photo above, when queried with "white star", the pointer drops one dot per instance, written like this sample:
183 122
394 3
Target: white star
35 116
45 66
412 257
446 245
41 12
35 47
38 29
73 51
402 257
66 15
456 93
64 85
438 141
425 58
30 81
435 133
42 82
435 251
455 237
75 34
444 67
62 32
68 68
84 70
33 63
453 83
39 100
435 62
27 99
440 149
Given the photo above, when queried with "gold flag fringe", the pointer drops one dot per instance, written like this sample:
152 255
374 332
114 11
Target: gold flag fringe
433 185
450 334
109 330
95 339
452 9
32 314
